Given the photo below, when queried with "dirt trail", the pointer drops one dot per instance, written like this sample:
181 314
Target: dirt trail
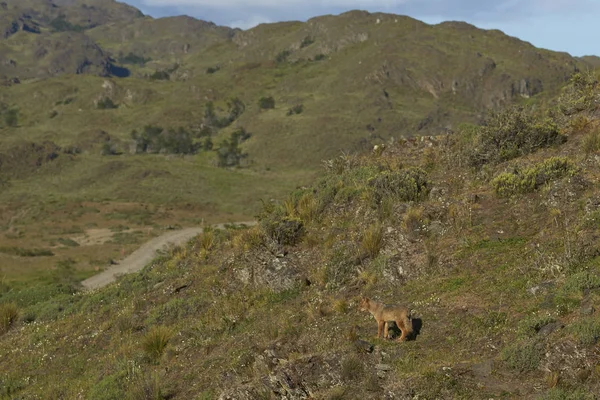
142 256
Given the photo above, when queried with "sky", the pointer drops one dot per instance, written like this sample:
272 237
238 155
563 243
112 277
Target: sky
562 25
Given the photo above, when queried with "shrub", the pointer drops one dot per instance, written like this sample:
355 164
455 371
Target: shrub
352 369
282 56
523 356
266 103
587 331
106 103
580 94
529 327
582 281
297 109
133 59
279 226
519 182
307 41
229 154
409 184
212 70
21 252
570 393
11 118
155 342
591 142
319 57
372 241
160 76
512 133
10 386
147 388
60 24
9 313
155 139
307 207
412 221
67 242
108 149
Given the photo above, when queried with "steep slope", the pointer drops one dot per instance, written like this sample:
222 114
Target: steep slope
108 122
489 236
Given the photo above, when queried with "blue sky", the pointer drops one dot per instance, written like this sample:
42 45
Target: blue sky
563 25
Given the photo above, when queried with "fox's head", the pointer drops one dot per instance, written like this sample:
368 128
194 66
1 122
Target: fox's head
364 303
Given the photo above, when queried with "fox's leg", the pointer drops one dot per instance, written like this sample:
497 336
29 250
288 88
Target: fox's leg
380 328
402 328
385 330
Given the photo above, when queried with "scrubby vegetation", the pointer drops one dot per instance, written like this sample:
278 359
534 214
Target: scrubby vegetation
503 289
519 182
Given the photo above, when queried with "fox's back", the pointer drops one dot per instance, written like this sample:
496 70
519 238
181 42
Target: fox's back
392 312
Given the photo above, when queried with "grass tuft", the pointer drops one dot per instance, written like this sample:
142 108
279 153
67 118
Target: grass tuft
372 241
155 342
9 313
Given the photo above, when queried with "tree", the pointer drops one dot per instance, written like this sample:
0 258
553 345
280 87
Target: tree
266 102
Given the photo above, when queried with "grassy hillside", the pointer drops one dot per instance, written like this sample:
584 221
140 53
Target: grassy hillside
105 109
488 235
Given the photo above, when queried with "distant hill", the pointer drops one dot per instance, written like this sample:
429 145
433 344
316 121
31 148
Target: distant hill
102 103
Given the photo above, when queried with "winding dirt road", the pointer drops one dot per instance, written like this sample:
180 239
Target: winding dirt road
142 256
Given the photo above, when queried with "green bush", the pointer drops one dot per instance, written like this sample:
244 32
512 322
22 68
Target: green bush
297 109
307 41
581 281
523 356
110 387
266 103
519 182
319 57
212 70
279 226
60 24
282 56
21 252
586 331
160 76
410 184
567 394
529 327
511 133
133 59
580 94
229 153
11 117
106 103
155 139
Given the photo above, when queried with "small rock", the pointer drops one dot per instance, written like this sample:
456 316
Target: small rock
383 367
363 346
548 329
587 309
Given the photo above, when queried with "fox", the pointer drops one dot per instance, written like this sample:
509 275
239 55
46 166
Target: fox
384 312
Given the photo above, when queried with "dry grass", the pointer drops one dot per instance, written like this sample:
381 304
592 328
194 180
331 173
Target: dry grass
372 241
9 314
155 342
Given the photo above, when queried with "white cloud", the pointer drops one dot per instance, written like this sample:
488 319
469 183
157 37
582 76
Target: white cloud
249 22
